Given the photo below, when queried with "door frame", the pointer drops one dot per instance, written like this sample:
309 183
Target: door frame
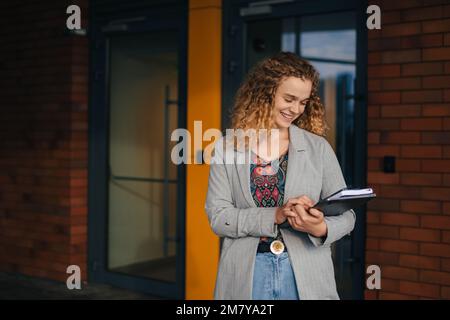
128 18
233 70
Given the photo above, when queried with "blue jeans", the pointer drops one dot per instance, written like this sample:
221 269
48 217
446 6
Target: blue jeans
273 277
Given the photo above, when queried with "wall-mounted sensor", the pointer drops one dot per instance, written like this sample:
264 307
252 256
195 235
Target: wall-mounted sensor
389 164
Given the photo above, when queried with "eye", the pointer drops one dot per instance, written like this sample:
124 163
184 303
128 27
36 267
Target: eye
305 102
287 100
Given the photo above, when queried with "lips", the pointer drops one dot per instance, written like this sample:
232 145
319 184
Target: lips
287 116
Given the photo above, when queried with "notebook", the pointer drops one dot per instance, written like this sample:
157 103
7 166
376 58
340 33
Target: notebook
344 200
341 201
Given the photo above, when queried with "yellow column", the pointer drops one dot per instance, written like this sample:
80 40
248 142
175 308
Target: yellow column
203 103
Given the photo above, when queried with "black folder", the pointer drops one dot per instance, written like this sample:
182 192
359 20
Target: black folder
339 206
336 207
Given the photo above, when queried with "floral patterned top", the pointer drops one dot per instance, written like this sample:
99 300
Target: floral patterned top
266 185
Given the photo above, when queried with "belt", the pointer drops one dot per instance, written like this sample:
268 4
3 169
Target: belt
264 246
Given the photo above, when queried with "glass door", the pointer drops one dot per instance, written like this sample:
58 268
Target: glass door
141 213
329 41
143 182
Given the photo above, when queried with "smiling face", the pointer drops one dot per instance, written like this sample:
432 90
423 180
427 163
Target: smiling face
291 98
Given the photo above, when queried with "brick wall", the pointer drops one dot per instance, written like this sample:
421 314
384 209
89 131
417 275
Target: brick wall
408 226
43 140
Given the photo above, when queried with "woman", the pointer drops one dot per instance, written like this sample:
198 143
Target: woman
247 201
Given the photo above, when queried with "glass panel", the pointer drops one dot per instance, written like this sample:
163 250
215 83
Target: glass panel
142 207
330 36
329 43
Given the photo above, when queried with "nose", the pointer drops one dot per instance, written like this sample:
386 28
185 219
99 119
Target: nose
295 108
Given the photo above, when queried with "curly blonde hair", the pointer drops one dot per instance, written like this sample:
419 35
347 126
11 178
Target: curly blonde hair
254 101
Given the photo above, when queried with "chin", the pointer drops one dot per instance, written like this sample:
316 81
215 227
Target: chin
282 123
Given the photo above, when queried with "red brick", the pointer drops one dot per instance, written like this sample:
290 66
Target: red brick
436 222
374 85
373 111
434 26
419 234
400 111
398 192
446 208
380 204
435 110
384 97
383 71
373 165
421 151
400 219
384 124
399 273
440 278
403 29
419 262
421 41
445 264
446 236
432 124
372 244
421 96
381 258
446 124
400 56
372 217
400 246
435 250
395 296
420 69
446 96
402 84
392 137
435 54
374 57
446 180
419 206
436 137
445 292
382 178
435 193
381 151
390 285
407 165
393 5
423 13
373 137
419 289
370 294
436 82
436 165
389 232
421 179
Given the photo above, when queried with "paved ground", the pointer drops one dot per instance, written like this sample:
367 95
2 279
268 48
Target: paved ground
15 287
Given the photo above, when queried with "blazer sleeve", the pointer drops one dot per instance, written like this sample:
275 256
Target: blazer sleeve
332 181
224 218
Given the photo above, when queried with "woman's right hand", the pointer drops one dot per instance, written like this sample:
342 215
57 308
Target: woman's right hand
287 209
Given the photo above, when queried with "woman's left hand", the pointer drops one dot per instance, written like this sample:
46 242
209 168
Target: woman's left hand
308 220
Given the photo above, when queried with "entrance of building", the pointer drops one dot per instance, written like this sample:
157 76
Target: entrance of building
329 34
136 194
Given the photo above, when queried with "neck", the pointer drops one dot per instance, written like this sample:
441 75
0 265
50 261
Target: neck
284 133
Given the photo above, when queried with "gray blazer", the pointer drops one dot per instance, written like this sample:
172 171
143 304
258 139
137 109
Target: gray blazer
313 170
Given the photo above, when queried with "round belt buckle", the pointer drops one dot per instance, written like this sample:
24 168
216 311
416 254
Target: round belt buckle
277 247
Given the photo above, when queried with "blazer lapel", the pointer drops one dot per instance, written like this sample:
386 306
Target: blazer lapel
296 162
243 171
